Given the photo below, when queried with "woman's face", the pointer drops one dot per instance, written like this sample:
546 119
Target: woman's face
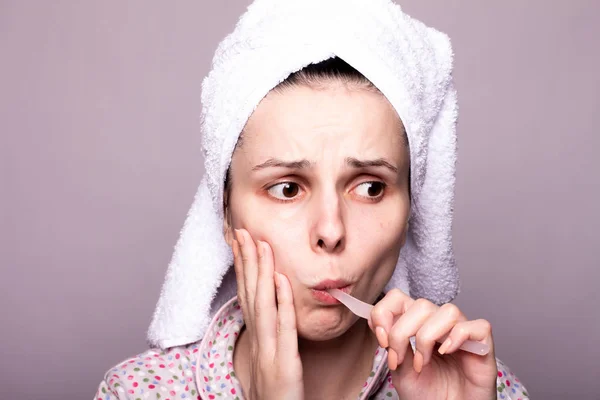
322 175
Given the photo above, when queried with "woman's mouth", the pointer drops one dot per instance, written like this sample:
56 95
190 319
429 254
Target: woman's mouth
321 294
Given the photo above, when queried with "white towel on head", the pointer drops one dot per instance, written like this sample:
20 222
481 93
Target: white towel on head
408 62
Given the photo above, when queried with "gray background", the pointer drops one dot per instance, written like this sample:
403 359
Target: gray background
100 160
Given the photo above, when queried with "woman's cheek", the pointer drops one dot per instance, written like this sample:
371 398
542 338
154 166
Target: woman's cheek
379 251
285 253
287 213
282 236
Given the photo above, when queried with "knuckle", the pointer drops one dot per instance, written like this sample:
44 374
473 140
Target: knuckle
397 342
258 310
378 312
281 325
286 327
461 330
485 324
423 304
397 336
451 310
424 337
396 293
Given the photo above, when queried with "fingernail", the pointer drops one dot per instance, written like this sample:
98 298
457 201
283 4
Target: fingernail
240 236
445 346
418 361
392 359
382 337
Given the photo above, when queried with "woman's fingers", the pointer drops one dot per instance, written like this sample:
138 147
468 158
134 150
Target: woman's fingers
265 309
255 271
385 312
249 268
288 365
479 330
276 367
287 335
239 277
407 325
397 318
407 367
436 327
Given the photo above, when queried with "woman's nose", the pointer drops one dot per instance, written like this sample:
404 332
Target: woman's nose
329 233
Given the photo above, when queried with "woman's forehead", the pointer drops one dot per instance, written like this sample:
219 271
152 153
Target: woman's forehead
302 119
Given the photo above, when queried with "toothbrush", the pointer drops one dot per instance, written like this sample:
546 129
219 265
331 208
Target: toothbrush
363 310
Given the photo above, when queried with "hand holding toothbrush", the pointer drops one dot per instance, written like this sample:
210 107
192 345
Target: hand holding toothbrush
442 372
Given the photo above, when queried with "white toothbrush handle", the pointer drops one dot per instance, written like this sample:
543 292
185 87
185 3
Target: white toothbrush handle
363 310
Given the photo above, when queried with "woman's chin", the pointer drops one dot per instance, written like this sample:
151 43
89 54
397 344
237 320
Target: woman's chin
322 325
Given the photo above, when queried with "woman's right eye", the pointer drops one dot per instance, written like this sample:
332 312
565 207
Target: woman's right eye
284 191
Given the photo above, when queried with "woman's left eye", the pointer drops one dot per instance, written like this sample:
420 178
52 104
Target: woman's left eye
370 190
285 191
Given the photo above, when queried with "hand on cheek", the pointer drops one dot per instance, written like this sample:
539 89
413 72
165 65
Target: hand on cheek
276 369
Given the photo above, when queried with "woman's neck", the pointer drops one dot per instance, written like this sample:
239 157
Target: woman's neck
348 359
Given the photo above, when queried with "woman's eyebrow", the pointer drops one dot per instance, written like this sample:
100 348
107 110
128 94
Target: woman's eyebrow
304 164
274 162
379 162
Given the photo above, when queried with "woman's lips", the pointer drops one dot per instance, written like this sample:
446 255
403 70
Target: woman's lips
324 297
321 294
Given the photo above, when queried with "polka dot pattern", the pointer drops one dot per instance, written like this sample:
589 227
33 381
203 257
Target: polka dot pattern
204 370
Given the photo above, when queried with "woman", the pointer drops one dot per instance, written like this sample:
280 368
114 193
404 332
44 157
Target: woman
319 176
